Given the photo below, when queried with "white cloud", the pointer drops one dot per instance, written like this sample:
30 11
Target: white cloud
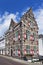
5 20
39 18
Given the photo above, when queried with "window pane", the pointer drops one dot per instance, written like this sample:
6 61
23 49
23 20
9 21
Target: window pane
31 24
16 34
27 47
28 34
35 47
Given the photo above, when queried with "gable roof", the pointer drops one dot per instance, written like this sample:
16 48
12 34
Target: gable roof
29 14
41 36
12 23
30 11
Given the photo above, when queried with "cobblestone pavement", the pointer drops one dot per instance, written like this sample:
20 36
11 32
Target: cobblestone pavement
6 61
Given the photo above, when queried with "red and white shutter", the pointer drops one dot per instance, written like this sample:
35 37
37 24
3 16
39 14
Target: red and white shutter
37 52
19 36
18 52
28 24
24 35
14 39
25 51
31 51
31 37
37 42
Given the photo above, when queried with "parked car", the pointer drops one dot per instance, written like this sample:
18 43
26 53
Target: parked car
41 58
29 60
35 60
25 58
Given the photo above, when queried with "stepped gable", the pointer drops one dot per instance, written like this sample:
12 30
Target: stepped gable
13 23
29 14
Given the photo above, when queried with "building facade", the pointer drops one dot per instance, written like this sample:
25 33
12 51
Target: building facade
2 45
41 45
22 38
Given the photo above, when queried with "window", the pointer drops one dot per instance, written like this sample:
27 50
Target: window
35 47
31 24
16 35
7 42
24 25
27 47
17 47
28 34
34 36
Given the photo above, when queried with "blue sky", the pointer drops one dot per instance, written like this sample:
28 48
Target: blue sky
19 5
16 8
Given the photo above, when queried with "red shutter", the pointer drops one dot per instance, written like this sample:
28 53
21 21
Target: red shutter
28 24
37 42
18 52
19 36
24 51
31 37
31 51
24 35
37 52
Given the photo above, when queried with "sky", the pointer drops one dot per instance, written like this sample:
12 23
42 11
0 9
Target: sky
15 9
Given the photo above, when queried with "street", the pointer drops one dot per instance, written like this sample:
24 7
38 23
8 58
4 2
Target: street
5 61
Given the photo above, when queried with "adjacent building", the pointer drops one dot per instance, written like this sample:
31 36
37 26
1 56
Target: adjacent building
2 45
41 45
22 38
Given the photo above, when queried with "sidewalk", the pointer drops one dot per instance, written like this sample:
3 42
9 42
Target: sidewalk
18 60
